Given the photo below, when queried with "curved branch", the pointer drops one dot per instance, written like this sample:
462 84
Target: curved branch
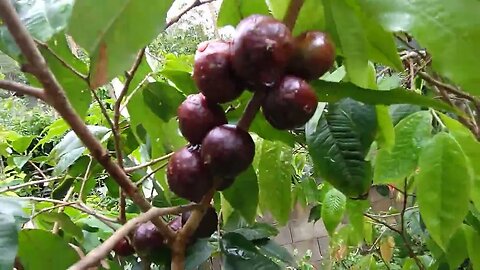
56 97
22 89
195 4
100 252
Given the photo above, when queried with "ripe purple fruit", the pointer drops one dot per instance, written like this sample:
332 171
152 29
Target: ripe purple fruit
213 72
227 150
175 224
314 54
147 238
208 224
291 104
261 50
123 248
196 117
187 175
225 183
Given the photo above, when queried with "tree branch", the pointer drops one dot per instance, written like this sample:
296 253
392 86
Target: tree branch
148 164
56 97
15 187
195 4
292 13
251 110
179 246
22 89
100 252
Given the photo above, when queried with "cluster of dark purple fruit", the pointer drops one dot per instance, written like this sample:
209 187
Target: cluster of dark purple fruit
262 57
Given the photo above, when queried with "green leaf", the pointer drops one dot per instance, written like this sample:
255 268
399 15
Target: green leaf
386 131
65 223
116 31
262 128
278 8
244 202
354 211
333 208
21 144
473 245
311 17
350 38
20 161
13 207
471 148
38 248
400 111
271 249
76 89
42 18
381 45
232 11
333 92
411 134
443 187
239 253
457 249
432 22
339 142
197 253
162 99
257 231
71 142
274 172
8 241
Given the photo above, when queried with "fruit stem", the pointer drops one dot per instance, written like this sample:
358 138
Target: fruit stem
292 13
251 110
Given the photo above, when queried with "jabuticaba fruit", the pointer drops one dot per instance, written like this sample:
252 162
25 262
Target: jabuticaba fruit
261 50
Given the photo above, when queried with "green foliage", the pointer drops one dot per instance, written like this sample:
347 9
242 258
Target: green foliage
380 121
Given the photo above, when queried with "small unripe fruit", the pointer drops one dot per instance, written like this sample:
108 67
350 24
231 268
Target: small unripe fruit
262 47
196 117
187 175
291 104
147 238
314 54
228 150
208 224
213 72
123 248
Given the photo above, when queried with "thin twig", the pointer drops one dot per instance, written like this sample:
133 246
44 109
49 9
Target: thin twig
116 129
195 4
38 169
84 180
145 177
148 164
22 89
102 108
55 96
15 187
292 13
251 110
100 252
383 223
62 61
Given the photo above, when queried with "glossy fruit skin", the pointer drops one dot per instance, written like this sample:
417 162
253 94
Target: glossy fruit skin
196 117
213 72
187 175
207 226
147 238
175 224
291 104
262 47
123 248
314 54
227 150
225 183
